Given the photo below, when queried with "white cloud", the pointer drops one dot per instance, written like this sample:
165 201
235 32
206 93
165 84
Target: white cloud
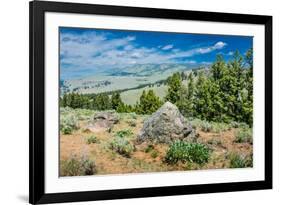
219 45
167 47
201 50
95 51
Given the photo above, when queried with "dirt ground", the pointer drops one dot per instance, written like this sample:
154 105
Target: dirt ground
109 162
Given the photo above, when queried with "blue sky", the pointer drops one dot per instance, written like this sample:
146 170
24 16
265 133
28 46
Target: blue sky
88 51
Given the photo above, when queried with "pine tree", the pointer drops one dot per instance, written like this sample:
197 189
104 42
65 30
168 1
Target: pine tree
101 102
218 80
191 87
174 87
237 85
218 68
148 103
123 108
199 95
186 101
116 100
248 102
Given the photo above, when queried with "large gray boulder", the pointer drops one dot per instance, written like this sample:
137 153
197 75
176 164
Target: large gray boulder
167 124
103 121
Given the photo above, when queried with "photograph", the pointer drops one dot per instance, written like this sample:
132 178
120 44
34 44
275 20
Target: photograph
146 101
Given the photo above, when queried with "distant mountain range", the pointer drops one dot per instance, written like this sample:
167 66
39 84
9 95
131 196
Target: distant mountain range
146 70
131 77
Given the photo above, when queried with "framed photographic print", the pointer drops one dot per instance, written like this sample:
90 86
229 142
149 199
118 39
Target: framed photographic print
141 102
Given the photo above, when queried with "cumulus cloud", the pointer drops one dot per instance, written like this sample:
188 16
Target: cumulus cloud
219 45
167 47
97 51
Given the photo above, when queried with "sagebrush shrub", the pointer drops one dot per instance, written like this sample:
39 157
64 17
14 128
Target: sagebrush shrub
122 146
77 167
149 148
66 130
83 114
133 115
244 135
187 152
154 154
240 161
206 126
68 123
124 133
219 127
92 139
132 123
235 124
215 142
196 123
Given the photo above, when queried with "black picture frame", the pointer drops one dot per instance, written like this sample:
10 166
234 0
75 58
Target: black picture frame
37 11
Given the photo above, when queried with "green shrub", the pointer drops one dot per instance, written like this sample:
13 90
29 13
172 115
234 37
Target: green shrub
133 115
238 125
68 123
240 161
154 154
196 123
77 167
92 139
219 127
215 142
84 114
149 148
206 126
244 135
124 133
132 123
66 130
122 146
187 152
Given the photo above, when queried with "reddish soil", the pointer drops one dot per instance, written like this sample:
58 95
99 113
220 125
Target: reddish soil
109 162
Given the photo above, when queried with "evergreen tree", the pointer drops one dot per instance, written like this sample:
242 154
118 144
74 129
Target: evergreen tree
218 80
218 68
235 102
116 100
199 95
248 103
123 108
191 87
101 102
186 100
174 88
148 103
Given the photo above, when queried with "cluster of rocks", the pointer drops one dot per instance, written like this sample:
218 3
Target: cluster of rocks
103 121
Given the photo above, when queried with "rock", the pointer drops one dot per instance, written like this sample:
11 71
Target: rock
103 121
167 124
